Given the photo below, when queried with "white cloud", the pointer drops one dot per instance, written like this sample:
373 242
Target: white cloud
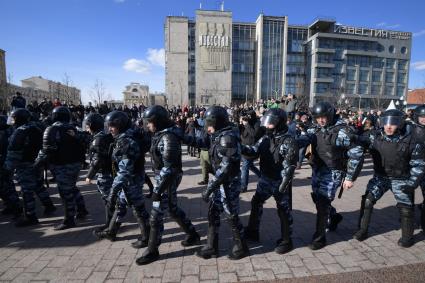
420 65
119 1
387 25
138 66
156 56
419 33
394 26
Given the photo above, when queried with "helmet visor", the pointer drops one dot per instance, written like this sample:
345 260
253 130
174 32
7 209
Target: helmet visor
269 120
210 122
391 120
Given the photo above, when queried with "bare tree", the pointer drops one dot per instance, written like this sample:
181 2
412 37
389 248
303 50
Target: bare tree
66 81
98 92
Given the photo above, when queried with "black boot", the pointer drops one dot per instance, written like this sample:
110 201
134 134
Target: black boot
211 248
108 218
319 237
27 220
66 224
407 226
82 213
68 221
109 233
49 208
285 243
192 237
335 219
366 210
151 254
252 231
240 248
142 241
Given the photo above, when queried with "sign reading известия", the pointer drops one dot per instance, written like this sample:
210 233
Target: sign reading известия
380 33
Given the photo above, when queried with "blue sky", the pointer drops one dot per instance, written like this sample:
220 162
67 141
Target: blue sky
121 41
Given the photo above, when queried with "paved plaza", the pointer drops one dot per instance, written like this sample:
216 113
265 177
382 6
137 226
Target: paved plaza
40 254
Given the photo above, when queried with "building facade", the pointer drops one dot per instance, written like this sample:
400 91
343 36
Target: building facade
40 87
365 67
213 60
3 81
136 93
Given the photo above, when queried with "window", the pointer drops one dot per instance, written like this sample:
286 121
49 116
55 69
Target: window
323 58
351 75
378 63
389 77
391 49
402 64
350 88
377 76
390 63
376 90
400 91
401 78
364 76
322 72
380 48
351 61
322 87
389 90
403 50
364 61
363 88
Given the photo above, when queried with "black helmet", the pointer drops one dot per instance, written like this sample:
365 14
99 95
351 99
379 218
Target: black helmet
21 116
276 117
95 122
119 120
217 117
61 114
3 122
324 109
157 115
392 117
419 112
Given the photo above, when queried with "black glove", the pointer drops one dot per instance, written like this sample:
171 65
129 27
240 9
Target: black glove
206 195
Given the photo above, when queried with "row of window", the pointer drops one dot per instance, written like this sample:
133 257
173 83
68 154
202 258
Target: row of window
358 45
364 76
350 88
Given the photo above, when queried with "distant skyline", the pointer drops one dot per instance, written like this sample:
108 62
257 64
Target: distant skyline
122 41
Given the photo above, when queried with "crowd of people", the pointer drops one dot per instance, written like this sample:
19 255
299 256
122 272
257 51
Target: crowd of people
60 138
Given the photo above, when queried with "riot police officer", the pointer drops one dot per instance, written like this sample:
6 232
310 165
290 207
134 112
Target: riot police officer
126 167
418 133
399 165
222 192
278 152
7 188
336 160
100 162
167 162
65 164
24 145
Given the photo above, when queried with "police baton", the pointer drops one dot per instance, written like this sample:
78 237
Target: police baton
46 181
341 190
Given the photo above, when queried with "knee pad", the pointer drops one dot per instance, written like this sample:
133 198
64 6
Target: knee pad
369 201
